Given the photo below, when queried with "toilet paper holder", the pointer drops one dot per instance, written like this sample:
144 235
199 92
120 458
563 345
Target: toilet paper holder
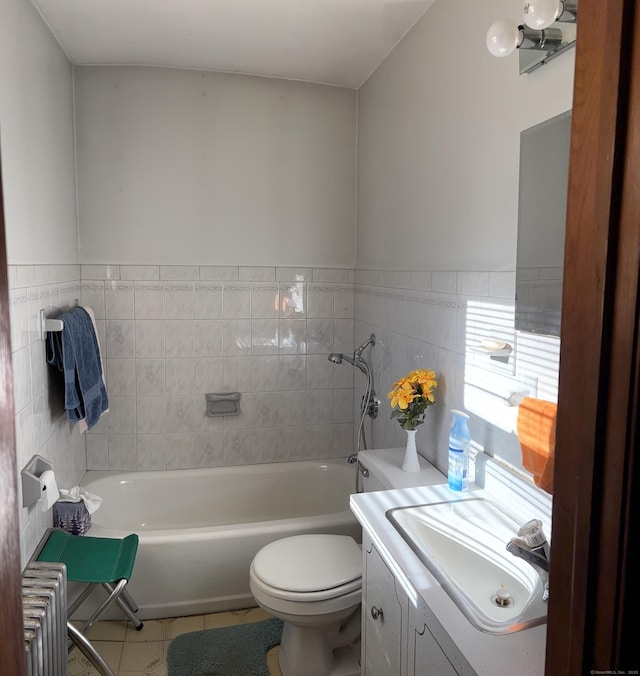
31 473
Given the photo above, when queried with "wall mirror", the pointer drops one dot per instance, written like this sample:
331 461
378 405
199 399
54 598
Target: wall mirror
542 203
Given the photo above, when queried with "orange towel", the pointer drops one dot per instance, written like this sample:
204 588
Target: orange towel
536 427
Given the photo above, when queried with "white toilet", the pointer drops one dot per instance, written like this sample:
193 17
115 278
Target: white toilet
314 584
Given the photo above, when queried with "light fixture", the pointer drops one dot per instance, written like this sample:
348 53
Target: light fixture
503 37
540 14
543 34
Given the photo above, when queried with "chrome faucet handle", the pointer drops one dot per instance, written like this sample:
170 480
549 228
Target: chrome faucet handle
532 546
532 533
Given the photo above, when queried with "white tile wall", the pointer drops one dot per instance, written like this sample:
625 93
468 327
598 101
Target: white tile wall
41 425
169 334
437 320
173 333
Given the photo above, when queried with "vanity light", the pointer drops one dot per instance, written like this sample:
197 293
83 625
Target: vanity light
540 14
536 32
503 37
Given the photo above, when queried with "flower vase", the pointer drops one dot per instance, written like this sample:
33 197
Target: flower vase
411 462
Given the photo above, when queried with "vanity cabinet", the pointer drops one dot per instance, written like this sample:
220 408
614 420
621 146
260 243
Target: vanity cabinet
398 636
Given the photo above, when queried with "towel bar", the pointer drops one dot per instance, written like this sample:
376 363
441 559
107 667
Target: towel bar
47 324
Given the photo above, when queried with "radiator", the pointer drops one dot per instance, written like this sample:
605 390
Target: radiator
44 602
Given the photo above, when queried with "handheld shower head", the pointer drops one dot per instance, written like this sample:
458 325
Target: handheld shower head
356 359
358 362
338 358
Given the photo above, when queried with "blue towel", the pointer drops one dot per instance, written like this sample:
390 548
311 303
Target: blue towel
75 352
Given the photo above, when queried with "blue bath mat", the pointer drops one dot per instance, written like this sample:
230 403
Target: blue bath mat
239 650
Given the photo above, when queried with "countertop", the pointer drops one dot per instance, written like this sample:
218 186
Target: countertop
521 653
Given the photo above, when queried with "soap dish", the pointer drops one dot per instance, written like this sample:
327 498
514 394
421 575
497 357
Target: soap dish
493 347
222 403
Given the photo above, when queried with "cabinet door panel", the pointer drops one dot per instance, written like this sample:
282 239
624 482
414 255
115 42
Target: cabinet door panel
430 660
431 650
384 620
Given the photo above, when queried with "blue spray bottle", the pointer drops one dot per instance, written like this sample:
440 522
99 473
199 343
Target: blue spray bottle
459 442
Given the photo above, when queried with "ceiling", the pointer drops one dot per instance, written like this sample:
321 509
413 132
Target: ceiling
339 42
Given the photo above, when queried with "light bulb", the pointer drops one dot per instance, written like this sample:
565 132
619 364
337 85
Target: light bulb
503 37
541 14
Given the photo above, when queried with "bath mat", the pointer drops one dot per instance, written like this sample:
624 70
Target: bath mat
239 650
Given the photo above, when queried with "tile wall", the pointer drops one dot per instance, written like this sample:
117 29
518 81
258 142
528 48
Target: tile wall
438 320
170 334
41 424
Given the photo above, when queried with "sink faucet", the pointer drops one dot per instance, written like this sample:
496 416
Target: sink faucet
532 546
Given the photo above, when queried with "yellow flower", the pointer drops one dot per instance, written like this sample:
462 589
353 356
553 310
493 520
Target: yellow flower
399 383
426 379
410 396
402 394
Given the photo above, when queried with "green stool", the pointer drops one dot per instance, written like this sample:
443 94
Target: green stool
105 562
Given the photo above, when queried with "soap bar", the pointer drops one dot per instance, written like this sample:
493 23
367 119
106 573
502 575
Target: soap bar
493 344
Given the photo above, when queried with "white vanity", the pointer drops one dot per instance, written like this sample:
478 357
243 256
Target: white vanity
411 626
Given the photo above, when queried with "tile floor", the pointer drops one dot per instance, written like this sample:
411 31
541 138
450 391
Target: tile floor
144 653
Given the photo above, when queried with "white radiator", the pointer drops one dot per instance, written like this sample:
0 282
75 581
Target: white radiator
44 602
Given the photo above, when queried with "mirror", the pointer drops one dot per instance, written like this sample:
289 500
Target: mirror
542 203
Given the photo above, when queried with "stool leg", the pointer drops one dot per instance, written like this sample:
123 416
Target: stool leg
125 602
86 592
129 599
85 647
103 606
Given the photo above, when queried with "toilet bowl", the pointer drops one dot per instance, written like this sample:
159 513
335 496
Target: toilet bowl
314 584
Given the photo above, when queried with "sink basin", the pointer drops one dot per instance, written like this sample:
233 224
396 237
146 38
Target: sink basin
463 544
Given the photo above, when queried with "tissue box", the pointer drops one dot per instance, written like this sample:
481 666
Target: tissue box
72 517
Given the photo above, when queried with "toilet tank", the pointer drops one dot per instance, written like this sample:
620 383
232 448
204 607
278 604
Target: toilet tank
382 470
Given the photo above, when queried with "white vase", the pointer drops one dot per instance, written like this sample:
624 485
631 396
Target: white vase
411 462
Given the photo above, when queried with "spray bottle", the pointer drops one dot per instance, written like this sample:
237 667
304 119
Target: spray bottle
459 442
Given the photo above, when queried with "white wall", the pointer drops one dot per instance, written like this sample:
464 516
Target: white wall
36 142
438 140
36 137
438 161
188 167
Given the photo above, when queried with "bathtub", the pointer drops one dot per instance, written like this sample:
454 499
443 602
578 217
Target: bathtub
200 529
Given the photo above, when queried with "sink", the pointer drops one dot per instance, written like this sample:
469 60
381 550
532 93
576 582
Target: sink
463 543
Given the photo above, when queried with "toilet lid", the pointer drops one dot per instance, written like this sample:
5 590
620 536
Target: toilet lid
309 563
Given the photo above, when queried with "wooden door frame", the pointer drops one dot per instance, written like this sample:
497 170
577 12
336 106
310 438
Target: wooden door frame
12 655
597 435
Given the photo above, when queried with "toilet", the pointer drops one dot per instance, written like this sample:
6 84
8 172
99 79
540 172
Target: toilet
313 583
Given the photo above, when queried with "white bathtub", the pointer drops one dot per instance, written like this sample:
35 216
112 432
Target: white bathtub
200 529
